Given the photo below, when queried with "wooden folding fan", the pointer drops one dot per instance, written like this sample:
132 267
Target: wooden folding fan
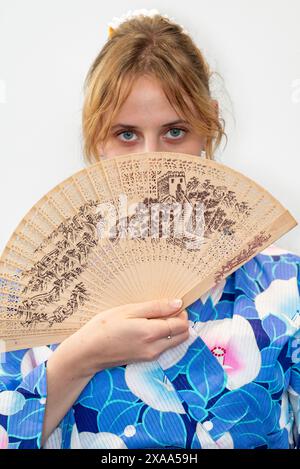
129 229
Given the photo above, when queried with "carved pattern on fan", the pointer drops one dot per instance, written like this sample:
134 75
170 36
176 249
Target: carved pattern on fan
75 273
67 260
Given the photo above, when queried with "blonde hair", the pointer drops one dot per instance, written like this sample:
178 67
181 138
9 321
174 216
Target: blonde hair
158 47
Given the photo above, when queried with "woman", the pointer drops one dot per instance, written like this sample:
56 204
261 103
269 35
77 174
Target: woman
229 377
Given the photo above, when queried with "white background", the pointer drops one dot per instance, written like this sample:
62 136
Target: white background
47 46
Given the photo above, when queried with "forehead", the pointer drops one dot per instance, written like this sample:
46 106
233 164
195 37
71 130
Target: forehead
146 102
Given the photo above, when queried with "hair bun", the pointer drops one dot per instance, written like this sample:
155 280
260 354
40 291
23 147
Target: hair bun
116 21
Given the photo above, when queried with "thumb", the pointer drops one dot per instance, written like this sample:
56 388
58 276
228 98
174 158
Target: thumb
155 308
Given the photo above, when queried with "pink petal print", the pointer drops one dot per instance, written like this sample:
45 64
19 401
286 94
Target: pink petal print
233 344
3 438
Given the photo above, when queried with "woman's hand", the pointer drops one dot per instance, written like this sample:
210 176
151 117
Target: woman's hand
125 334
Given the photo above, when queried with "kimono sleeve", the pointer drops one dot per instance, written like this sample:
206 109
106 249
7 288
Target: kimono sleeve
23 397
294 382
294 389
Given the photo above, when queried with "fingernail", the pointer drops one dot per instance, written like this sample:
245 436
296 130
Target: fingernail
176 303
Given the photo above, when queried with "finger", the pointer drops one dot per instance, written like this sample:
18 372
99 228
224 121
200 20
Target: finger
179 314
160 328
155 308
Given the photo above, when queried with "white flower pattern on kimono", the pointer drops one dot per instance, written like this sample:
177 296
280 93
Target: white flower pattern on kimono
232 342
147 381
11 402
54 440
100 440
282 300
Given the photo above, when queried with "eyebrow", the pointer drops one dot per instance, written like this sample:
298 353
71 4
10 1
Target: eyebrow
130 126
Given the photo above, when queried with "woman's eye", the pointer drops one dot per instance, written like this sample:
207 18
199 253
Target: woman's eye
175 132
127 134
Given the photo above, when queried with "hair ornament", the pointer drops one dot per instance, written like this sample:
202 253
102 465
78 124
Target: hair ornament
116 21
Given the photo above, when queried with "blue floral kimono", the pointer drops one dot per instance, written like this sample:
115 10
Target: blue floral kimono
235 383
